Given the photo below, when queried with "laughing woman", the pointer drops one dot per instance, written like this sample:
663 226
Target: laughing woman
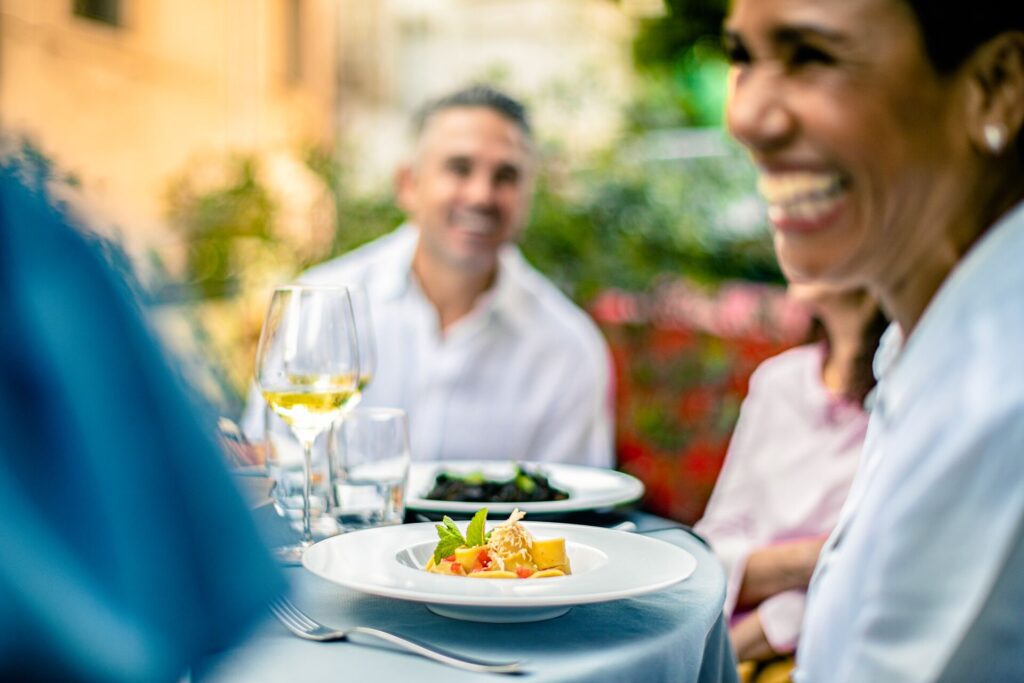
888 136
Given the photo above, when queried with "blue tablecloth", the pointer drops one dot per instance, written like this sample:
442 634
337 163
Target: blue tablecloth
677 634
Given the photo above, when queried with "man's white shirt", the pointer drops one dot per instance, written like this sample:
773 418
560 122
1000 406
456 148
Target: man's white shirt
526 375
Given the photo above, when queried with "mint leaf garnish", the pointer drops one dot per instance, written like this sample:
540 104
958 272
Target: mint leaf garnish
446 547
475 531
450 539
449 528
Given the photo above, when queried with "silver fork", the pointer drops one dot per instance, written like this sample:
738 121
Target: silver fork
304 627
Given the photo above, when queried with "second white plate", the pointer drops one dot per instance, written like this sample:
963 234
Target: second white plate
589 488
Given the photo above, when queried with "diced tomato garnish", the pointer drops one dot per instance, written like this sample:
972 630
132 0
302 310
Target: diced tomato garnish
450 558
523 572
483 559
456 568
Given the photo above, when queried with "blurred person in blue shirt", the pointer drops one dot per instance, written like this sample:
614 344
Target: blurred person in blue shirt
128 555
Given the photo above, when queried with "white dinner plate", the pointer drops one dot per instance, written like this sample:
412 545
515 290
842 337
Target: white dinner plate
589 488
606 565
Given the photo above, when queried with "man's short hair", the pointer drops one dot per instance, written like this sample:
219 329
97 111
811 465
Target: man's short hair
475 96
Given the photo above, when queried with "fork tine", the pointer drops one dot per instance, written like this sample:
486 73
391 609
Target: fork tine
278 613
300 617
286 617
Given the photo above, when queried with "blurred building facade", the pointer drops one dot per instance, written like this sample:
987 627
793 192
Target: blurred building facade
128 94
570 59
123 93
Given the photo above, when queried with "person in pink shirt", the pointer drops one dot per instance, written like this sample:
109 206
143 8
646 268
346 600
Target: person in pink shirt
789 466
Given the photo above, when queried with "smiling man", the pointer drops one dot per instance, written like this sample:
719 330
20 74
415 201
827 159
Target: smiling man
488 358
468 190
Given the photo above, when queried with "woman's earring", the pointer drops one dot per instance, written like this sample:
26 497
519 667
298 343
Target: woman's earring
995 137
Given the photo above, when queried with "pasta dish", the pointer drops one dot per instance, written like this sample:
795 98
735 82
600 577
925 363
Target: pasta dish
508 551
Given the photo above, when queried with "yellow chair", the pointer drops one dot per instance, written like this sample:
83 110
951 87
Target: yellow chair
776 670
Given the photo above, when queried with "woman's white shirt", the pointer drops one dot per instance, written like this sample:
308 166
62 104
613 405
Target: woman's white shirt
935 515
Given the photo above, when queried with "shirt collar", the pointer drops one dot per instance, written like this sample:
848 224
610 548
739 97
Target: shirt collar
915 358
971 275
393 277
507 300
888 352
889 347
511 300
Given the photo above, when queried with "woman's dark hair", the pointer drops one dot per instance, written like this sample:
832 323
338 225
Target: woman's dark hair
862 379
953 30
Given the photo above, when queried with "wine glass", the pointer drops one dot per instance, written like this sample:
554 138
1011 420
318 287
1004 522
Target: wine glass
307 368
364 332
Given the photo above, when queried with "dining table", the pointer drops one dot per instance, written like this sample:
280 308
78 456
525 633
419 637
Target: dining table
674 634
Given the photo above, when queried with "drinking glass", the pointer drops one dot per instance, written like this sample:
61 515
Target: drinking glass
369 465
307 368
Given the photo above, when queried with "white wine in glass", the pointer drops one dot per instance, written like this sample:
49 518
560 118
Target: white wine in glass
307 368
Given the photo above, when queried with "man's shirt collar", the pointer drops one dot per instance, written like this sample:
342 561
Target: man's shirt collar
508 300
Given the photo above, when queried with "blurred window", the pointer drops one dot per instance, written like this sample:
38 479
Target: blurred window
106 11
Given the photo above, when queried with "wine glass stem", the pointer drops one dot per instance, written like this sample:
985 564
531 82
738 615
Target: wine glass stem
307 490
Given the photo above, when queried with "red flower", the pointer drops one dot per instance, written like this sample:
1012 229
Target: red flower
703 460
697 405
667 343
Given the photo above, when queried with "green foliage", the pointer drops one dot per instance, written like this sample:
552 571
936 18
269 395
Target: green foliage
680 55
688 92
703 73
361 216
624 225
668 38
215 221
